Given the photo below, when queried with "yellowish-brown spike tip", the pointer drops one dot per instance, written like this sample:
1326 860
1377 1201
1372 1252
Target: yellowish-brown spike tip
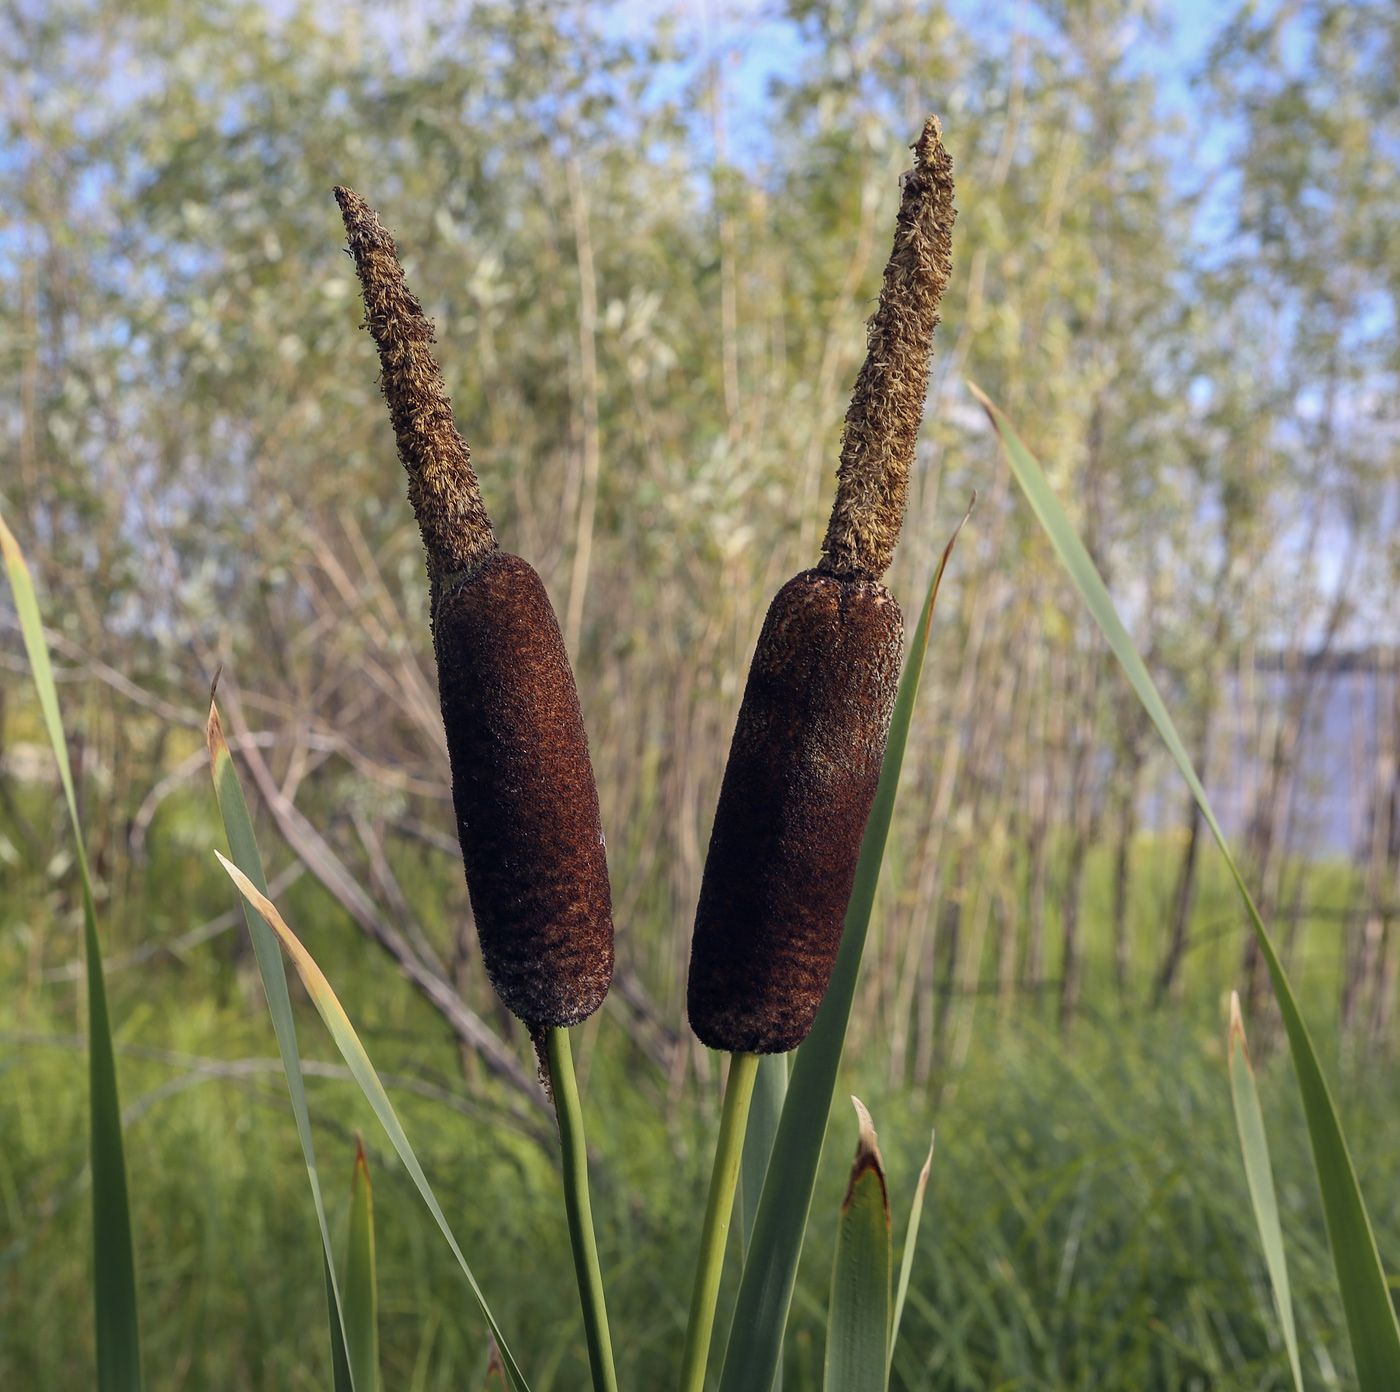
442 487
887 406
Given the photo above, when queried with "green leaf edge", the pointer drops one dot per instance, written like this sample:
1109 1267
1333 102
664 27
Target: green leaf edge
114 1262
243 847
911 1241
1370 1313
361 1286
858 1316
1258 1173
765 1289
329 1008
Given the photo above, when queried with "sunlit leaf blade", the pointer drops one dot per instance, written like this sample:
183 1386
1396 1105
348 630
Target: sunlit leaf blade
243 846
858 1320
1254 1146
361 1292
1371 1321
114 1266
353 1052
765 1290
911 1240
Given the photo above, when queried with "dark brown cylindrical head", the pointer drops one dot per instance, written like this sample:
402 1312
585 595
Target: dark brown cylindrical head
796 795
523 790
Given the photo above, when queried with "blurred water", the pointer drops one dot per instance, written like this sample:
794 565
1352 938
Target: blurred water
1331 796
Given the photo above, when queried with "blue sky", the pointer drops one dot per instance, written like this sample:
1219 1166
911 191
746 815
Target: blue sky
761 46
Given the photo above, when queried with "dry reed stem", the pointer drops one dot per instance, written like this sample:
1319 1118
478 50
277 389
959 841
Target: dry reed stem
882 424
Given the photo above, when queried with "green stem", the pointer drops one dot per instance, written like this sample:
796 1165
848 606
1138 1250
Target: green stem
738 1093
571 1142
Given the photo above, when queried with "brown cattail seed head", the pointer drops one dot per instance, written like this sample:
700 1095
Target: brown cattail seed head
522 782
523 790
810 739
797 791
887 406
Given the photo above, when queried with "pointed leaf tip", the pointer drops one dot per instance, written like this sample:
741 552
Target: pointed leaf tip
361 1163
868 1156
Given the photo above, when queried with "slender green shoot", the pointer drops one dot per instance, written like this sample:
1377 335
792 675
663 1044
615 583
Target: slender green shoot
765 1291
114 1263
769 1090
1254 1146
333 1016
858 1319
590 1277
243 847
719 1206
361 1287
1370 1314
911 1240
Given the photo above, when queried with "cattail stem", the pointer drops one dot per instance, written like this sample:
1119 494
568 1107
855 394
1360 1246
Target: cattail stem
564 1088
738 1094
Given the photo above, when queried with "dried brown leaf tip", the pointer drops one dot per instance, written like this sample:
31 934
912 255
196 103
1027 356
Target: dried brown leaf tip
442 487
868 1158
882 424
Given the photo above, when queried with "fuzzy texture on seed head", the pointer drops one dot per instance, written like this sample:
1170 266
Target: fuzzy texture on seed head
524 794
797 791
442 487
882 424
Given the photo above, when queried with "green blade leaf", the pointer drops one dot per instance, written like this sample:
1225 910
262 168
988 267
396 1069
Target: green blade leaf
361 1291
341 1378
858 1322
329 1008
911 1240
765 1290
113 1260
769 1090
243 846
1371 1322
1254 1146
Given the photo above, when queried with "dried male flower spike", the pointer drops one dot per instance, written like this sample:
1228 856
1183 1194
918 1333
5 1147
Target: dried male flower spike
522 782
810 737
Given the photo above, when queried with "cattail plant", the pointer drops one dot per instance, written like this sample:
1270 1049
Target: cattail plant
811 731
810 738
522 783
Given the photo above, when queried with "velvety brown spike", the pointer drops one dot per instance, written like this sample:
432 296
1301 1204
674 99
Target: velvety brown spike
810 739
523 790
797 790
442 487
882 424
522 783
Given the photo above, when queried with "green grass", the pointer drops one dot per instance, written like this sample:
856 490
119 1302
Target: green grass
1087 1223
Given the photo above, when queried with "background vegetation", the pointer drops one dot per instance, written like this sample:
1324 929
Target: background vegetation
1186 299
